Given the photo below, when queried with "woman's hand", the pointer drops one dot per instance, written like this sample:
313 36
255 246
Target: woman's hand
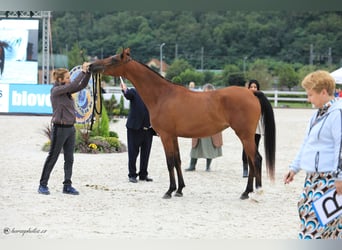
338 185
85 67
289 177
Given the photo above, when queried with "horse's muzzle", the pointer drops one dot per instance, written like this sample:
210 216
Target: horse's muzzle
96 68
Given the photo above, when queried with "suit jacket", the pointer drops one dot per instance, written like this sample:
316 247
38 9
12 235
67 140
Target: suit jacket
138 116
216 140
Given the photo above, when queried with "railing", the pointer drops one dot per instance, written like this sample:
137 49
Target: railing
116 91
275 96
286 96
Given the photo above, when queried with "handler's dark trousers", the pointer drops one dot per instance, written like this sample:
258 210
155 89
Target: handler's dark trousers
63 136
139 139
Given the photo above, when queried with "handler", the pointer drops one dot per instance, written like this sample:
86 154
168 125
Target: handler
63 131
139 135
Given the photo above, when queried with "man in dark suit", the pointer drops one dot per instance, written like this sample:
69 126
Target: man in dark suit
139 134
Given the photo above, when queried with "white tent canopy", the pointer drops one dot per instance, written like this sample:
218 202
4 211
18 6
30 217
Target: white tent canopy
337 74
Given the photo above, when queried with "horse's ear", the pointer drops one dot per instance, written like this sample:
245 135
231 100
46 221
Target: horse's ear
128 51
122 53
125 53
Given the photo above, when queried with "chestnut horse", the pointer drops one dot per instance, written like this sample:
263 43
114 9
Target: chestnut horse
176 112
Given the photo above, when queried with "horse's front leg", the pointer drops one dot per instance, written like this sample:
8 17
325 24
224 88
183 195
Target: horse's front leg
170 166
168 144
178 164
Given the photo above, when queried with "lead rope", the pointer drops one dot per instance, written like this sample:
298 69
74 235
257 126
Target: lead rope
97 95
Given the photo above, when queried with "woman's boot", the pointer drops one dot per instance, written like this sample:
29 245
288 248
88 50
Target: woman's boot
208 165
192 167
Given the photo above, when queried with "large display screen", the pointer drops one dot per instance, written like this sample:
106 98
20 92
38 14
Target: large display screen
19 51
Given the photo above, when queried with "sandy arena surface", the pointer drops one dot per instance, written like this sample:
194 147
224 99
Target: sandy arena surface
109 207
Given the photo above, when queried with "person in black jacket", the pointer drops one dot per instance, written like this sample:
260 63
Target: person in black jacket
63 131
139 135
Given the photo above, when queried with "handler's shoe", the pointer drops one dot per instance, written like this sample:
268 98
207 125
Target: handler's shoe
43 190
70 190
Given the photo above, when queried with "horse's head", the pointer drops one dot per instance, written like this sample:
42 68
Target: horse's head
110 65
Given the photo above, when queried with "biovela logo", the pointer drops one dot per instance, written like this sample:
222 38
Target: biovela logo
25 98
30 98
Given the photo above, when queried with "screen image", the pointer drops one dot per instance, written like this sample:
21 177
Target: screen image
19 51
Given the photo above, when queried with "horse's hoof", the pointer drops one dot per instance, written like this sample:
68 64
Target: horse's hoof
167 196
258 195
178 194
244 196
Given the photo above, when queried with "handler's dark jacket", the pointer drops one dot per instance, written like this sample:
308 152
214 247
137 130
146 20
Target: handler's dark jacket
138 116
63 106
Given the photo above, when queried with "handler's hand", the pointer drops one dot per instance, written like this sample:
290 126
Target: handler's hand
122 84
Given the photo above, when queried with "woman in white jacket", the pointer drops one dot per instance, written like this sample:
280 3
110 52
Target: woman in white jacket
320 157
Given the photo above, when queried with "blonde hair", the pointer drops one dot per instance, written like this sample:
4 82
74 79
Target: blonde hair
59 73
319 80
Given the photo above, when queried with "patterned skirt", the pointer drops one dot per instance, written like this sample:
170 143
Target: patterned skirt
316 185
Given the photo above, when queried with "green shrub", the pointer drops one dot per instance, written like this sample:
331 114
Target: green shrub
113 134
113 142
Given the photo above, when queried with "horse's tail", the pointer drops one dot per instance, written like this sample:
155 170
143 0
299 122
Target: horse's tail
269 132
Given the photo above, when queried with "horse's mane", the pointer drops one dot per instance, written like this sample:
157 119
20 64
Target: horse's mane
157 73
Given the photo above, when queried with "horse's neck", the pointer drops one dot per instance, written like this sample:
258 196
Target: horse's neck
149 84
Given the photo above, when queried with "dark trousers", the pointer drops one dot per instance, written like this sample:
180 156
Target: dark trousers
244 156
62 137
139 140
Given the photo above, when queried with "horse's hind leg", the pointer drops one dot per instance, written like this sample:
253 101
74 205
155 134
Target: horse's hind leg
249 187
258 172
250 149
254 172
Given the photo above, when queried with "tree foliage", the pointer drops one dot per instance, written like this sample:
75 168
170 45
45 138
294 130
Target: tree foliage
208 40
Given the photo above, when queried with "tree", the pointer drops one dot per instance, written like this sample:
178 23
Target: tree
76 56
231 75
177 67
190 75
225 36
287 76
